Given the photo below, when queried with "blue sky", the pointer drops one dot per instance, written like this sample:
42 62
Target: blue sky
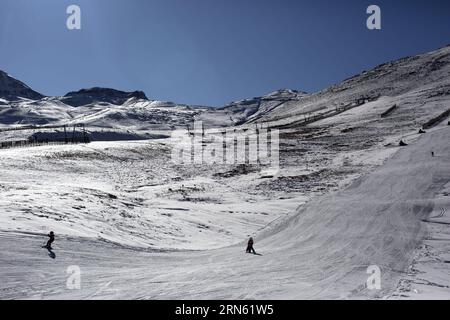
210 52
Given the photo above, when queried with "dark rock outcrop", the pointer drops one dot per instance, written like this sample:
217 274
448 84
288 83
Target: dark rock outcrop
106 95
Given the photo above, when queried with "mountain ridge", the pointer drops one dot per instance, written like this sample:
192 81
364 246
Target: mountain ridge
12 88
428 72
100 94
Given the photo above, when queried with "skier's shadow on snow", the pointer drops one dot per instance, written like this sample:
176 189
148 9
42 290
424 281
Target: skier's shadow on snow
51 254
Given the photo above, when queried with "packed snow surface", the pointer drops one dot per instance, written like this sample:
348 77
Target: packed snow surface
320 251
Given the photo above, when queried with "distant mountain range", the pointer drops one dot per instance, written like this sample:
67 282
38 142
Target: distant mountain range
427 73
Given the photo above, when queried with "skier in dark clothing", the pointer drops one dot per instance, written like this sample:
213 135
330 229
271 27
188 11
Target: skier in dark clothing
51 235
250 246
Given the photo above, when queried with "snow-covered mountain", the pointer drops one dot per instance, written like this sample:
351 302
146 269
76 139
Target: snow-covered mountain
251 110
425 74
95 107
12 89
